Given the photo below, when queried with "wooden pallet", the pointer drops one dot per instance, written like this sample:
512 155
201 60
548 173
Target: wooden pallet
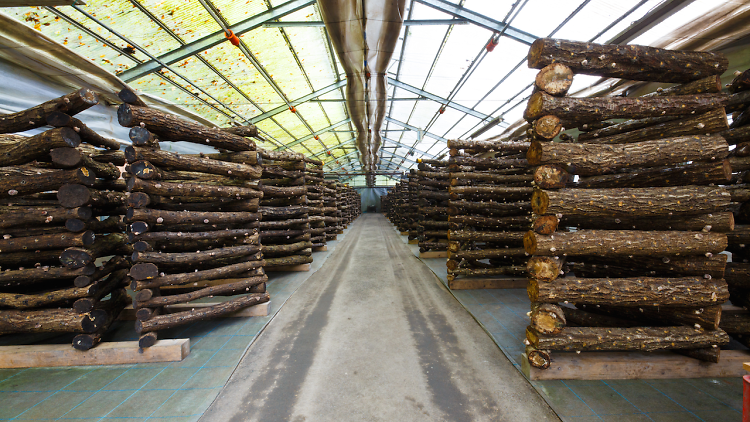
112 353
340 232
128 314
433 254
280 268
634 365
404 233
320 248
470 283
414 241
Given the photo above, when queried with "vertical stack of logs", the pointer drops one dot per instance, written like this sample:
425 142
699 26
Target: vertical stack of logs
736 322
192 221
316 203
433 179
395 204
285 227
352 206
490 188
330 210
629 220
61 221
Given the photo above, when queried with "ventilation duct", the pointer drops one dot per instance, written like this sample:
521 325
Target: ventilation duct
364 34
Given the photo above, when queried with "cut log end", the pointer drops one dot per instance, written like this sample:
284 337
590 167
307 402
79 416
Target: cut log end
539 202
547 127
546 224
529 242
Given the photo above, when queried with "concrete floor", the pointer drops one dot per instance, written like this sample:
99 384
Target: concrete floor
374 335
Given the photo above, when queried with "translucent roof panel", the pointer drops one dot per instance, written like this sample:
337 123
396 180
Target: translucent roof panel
223 84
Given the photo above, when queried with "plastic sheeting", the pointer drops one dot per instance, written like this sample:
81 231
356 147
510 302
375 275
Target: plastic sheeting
371 196
21 88
364 35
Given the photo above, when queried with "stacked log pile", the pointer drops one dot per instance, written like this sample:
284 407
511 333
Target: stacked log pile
61 221
396 204
316 199
736 322
433 179
351 205
629 220
330 210
285 227
490 188
192 220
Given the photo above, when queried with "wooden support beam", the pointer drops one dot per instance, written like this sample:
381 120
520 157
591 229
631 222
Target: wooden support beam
636 365
114 353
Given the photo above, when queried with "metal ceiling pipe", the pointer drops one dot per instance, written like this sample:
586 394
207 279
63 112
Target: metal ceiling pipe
364 34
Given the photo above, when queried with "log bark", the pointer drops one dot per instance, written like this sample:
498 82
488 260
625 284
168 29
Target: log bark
80 257
707 85
288 260
14 182
488 253
458 179
594 109
636 62
30 276
236 287
488 208
188 217
115 263
719 222
129 96
170 127
637 291
35 117
248 235
191 189
503 222
16 150
738 275
631 202
283 192
668 266
246 131
485 236
45 242
489 163
74 196
194 257
28 216
184 278
480 145
712 122
554 79
706 317
60 119
162 322
740 82
112 307
595 159
624 242
718 172
186 162
73 157
50 321
594 130
647 339
735 321
482 272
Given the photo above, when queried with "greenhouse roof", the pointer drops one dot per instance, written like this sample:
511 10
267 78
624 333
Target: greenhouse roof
284 77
